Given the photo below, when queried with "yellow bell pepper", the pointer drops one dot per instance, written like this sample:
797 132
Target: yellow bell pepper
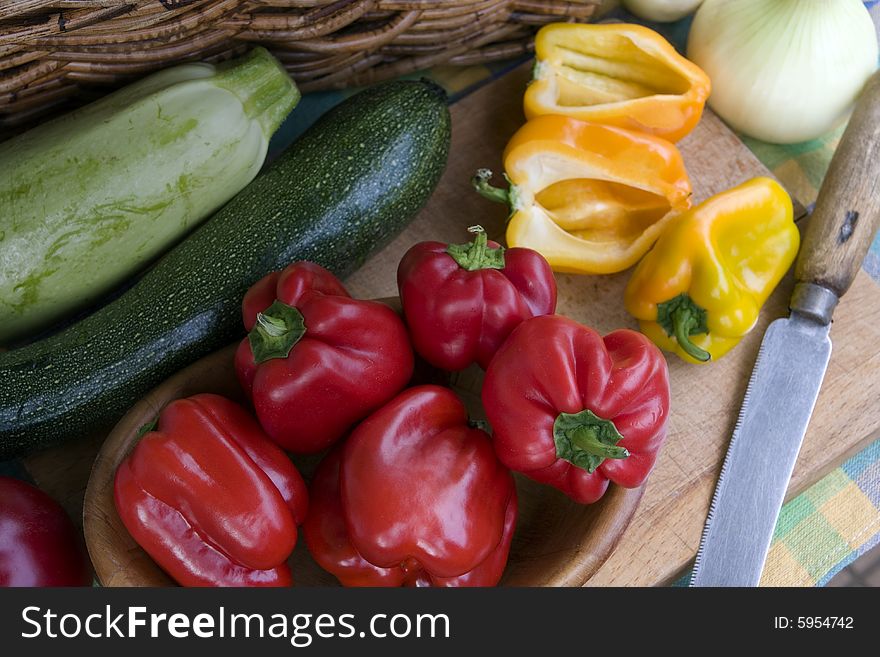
592 199
699 290
616 74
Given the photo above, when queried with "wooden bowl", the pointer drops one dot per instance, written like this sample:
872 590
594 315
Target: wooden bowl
557 542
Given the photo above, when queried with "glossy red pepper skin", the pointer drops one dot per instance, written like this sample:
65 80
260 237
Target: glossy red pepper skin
353 357
39 546
553 365
457 317
210 498
415 497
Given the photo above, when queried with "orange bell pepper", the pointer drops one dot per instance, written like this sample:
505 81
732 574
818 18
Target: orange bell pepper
616 74
592 199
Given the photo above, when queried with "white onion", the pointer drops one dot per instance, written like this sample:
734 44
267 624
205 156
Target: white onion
783 71
661 11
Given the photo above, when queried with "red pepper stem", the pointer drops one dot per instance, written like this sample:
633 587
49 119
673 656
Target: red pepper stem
271 327
587 439
683 320
276 331
477 254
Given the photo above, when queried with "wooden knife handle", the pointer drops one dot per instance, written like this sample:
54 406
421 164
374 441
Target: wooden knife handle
847 214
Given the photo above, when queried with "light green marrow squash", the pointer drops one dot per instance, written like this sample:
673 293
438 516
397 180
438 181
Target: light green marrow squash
86 200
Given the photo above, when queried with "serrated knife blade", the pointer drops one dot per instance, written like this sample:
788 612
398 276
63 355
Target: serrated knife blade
776 409
792 360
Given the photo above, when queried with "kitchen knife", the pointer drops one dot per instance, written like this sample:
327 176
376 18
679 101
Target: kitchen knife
792 360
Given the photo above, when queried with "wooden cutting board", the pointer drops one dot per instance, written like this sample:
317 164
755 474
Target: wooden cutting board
665 533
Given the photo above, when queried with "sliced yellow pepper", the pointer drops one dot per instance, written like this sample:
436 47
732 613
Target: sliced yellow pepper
701 287
592 199
616 74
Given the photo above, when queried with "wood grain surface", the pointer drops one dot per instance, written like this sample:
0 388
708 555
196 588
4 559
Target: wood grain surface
664 534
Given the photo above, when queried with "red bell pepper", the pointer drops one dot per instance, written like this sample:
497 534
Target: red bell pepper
39 546
574 410
317 361
461 301
210 498
415 497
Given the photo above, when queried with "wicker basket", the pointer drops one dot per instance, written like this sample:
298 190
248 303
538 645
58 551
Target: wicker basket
53 50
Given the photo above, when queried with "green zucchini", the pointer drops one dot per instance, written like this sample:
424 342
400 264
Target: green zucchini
90 198
341 191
